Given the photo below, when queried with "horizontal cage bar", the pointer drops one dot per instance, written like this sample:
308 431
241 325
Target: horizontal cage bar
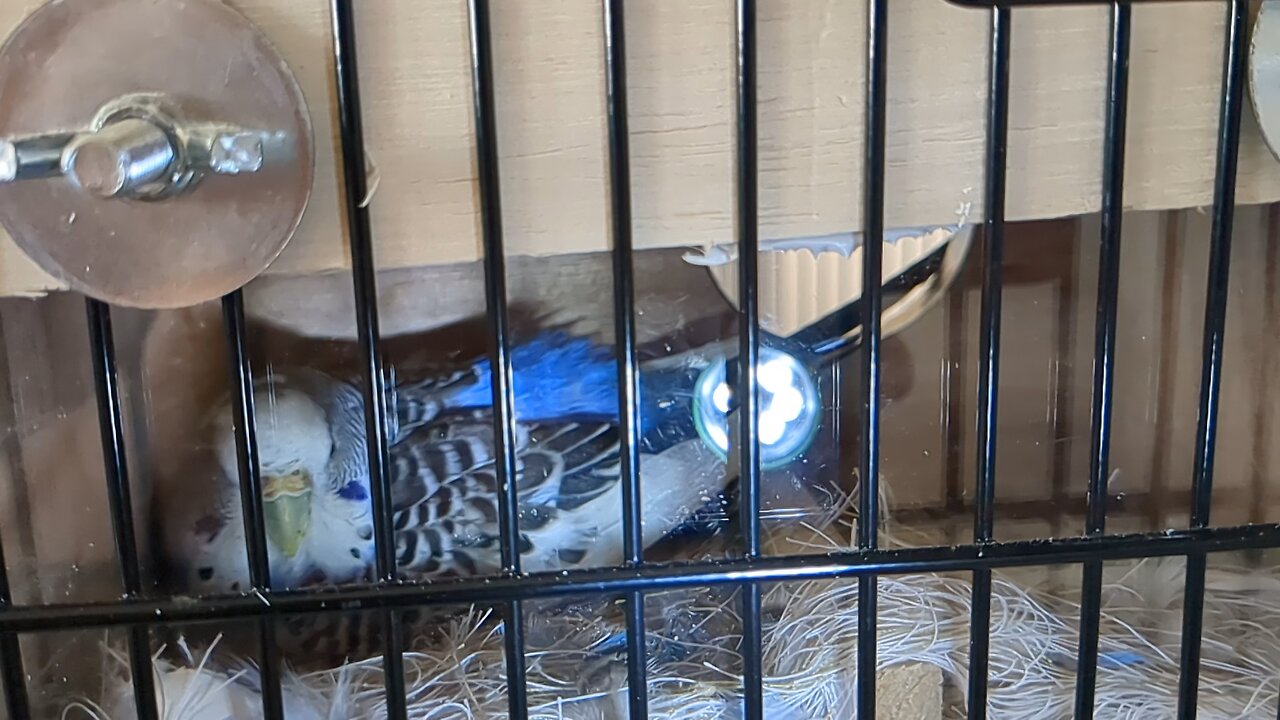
791 568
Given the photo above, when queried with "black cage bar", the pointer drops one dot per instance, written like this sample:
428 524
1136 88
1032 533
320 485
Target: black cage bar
363 274
119 496
11 666
391 594
872 305
624 307
245 419
1104 352
1215 321
749 351
989 352
495 277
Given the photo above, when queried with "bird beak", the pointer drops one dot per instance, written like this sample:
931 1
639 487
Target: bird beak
286 509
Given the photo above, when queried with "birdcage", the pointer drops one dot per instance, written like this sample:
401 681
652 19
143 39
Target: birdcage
204 201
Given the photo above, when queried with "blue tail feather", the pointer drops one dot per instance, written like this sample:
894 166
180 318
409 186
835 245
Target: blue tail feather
554 375
557 375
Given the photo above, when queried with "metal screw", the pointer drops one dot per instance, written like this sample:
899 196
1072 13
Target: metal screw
32 158
120 159
8 161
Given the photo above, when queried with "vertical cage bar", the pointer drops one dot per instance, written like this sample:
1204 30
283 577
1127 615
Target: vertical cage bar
953 409
245 421
989 349
12 668
1104 351
1063 386
872 303
119 497
495 273
351 129
624 307
748 276
624 300
12 671
749 350
1215 321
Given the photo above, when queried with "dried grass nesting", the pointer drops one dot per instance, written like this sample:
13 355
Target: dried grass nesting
809 652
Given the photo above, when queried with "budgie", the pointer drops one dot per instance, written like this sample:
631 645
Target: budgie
557 376
316 492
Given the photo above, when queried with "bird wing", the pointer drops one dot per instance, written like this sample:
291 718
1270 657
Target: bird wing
416 404
445 493
539 365
444 498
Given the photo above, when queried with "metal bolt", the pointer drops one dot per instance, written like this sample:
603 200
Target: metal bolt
32 158
8 161
138 151
233 153
119 159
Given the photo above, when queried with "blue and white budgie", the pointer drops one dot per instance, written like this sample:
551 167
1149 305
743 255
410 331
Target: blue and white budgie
313 460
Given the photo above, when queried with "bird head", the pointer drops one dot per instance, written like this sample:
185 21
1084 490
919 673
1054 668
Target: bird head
295 442
314 485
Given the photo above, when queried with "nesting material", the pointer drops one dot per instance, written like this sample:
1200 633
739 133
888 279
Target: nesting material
567 681
577 666
194 689
576 656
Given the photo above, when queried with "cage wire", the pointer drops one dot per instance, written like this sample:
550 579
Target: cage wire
578 668
768 633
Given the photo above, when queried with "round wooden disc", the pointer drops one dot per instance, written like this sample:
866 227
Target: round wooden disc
67 60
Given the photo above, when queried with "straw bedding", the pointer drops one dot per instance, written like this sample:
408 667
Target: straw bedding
577 665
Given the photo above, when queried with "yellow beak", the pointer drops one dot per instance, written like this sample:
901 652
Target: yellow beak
286 510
